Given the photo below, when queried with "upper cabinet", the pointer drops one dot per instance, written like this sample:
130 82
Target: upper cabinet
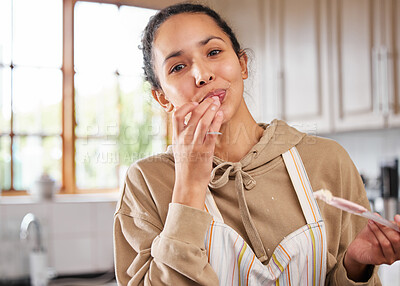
332 65
363 54
296 62
357 73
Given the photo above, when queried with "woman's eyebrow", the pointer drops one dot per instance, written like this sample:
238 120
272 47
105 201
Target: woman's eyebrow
204 42
172 55
201 43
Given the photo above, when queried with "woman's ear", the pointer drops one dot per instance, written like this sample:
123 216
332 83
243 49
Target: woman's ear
160 97
243 63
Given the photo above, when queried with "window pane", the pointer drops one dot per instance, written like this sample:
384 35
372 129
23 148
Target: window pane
37 100
95 37
96 99
96 164
5 100
38 32
5 163
111 105
5 32
142 131
132 23
34 156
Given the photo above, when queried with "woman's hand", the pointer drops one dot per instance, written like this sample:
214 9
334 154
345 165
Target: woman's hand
194 150
374 245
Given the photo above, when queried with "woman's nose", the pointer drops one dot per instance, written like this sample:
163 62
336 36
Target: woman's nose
203 75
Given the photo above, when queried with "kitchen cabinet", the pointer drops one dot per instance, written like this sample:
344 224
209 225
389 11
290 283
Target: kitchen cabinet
296 67
363 64
356 53
333 65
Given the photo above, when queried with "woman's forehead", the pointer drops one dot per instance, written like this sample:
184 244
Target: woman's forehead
188 25
184 31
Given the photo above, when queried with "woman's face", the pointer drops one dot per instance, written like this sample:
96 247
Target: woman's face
194 59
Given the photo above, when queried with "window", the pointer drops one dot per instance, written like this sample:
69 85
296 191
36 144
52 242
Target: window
30 91
82 115
124 125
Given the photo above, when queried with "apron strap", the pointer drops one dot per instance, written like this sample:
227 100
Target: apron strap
302 185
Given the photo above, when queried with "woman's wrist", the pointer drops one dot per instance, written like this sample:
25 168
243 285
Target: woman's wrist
189 195
356 271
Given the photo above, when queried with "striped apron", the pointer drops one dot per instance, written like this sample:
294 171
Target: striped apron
299 259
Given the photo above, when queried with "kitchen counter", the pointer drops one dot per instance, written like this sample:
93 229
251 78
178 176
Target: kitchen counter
98 279
58 198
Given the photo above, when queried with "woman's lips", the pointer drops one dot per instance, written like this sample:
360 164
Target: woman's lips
218 92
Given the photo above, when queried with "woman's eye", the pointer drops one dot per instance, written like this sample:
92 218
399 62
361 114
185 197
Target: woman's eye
214 52
177 68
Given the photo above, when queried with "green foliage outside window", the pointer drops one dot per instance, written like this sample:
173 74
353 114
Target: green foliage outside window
136 134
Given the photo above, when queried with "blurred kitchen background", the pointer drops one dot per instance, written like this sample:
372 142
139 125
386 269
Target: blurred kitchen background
75 112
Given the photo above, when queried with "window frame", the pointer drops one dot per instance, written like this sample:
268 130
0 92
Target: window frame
68 177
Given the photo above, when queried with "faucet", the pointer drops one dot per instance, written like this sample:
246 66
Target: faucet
38 258
26 222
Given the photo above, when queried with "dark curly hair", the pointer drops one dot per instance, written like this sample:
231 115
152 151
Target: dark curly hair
159 18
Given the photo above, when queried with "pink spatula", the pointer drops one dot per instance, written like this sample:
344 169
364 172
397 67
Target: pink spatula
348 206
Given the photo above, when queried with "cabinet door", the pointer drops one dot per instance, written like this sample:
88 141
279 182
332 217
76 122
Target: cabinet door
296 62
355 61
394 13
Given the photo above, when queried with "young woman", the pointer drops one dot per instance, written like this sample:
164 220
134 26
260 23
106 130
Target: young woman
231 202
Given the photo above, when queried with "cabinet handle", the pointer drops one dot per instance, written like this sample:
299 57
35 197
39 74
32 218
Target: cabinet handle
383 83
386 82
375 81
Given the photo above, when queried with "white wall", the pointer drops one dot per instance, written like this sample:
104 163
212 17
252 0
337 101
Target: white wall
369 148
77 236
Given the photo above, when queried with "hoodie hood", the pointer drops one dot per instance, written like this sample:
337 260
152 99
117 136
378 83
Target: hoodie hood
278 137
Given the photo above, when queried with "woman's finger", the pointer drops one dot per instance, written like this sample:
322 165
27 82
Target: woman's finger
384 243
200 111
178 118
214 127
396 237
392 235
204 124
397 219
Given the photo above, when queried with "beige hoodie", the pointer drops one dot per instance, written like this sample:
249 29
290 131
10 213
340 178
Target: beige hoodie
161 243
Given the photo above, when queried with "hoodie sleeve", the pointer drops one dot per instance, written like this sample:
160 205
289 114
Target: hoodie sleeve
337 173
150 252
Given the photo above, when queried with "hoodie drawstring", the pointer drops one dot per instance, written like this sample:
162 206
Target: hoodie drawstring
241 179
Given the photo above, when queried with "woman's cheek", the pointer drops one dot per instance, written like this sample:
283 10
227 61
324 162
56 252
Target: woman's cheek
229 71
178 94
